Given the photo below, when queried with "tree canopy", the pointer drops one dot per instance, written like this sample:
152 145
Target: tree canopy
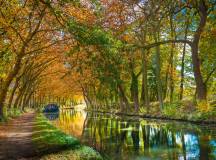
116 54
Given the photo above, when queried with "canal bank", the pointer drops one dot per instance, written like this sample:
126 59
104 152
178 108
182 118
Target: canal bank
52 144
196 118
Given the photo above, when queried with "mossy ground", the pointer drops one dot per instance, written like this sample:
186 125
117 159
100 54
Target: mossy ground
52 144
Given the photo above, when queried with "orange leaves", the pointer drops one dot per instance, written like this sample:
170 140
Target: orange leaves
81 14
116 14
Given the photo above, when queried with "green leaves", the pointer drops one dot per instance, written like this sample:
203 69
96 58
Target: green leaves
108 47
92 35
73 50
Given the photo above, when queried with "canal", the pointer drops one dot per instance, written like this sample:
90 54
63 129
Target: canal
125 138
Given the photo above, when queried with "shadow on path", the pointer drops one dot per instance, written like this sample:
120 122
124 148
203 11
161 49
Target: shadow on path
16 138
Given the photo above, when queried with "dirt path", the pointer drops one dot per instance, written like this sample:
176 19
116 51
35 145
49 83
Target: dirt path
15 138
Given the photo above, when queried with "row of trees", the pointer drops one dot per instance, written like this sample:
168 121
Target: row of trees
30 41
145 51
112 52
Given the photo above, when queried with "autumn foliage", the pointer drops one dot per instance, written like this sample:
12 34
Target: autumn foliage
115 54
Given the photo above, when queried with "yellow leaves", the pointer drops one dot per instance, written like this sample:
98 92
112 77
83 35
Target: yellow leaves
203 106
2 76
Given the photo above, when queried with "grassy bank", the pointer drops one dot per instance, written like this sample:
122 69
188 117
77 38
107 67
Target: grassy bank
181 111
53 144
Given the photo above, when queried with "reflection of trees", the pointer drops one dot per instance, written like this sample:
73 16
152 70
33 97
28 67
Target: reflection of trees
115 130
146 133
52 116
71 122
183 146
135 137
121 137
204 147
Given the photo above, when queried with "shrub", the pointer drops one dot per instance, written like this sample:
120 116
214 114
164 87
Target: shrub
172 110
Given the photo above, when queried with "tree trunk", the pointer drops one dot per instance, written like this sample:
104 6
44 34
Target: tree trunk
20 101
13 93
182 65
28 99
165 90
171 84
134 91
200 85
86 97
144 93
24 100
182 73
123 97
16 102
158 77
7 82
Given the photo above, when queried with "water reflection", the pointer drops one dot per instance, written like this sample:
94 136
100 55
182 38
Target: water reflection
123 138
52 116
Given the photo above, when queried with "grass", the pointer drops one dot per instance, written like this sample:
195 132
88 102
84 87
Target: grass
52 144
10 114
83 153
188 112
183 110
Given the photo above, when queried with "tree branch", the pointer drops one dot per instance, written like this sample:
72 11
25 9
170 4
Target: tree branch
210 74
148 46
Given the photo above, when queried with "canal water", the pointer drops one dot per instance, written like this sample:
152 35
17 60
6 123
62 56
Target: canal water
130 138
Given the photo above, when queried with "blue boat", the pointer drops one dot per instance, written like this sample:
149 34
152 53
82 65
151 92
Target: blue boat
51 108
